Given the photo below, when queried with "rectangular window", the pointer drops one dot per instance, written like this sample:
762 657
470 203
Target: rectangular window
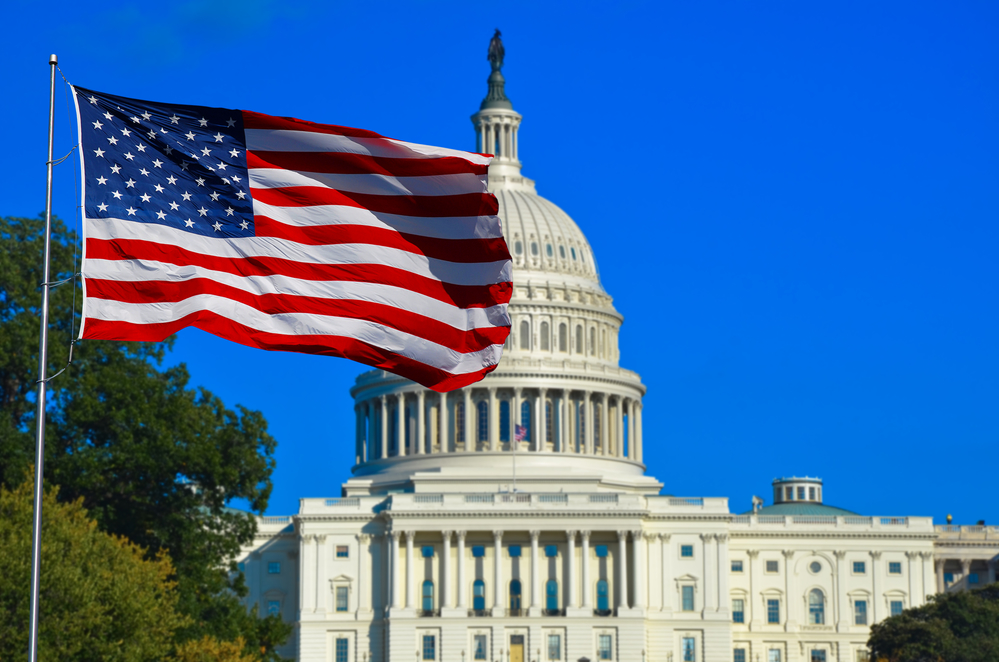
427 551
896 607
551 551
341 598
801 494
479 647
811 494
738 610
972 577
773 655
687 551
736 566
604 647
818 656
342 649
860 612
687 593
773 612
601 551
894 568
739 655
429 647
273 607
772 566
554 647
788 494
689 649
274 568
478 551
859 567
342 552
514 551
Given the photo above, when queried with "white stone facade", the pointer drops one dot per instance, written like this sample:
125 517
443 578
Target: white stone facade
450 545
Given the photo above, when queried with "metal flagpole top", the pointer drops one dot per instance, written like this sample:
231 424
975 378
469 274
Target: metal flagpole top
53 59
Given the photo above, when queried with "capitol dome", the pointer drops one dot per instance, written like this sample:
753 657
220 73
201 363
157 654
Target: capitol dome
558 384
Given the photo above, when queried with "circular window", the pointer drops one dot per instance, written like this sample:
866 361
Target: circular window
815 567
518 247
534 248
548 249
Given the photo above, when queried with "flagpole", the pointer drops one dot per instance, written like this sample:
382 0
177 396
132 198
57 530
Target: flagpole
36 532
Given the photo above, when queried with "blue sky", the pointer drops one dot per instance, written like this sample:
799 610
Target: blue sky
793 204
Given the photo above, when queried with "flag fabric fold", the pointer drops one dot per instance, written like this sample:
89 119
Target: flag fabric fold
289 235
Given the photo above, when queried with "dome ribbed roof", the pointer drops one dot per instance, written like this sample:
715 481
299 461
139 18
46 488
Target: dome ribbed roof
543 238
802 508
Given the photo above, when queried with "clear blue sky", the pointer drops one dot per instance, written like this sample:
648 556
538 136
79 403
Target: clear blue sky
794 205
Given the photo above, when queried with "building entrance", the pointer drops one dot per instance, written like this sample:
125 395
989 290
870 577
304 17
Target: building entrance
516 648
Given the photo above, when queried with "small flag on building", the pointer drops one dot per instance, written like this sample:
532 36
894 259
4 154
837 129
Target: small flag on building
290 235
520 432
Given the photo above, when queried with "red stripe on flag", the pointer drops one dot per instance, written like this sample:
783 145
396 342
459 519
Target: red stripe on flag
252 120
462 296
357 350
345 163
414 324
442 206
451 250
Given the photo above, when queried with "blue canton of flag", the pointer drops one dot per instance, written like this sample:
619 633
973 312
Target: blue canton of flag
174 165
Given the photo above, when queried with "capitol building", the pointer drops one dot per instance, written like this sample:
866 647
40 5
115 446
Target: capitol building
453 543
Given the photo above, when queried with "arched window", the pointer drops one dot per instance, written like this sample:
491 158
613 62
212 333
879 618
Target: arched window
459 421
593 341
428 595
581 426
525 418
525 335
544 337
515 597
603 596
479 595
504 420
483 408
563 338
549 435
603 344
551 595
598 413
579 339
816 607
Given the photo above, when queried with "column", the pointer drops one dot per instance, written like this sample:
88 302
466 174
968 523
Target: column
364 592
467 423
965 570
515 418
421 422
928 583
383 424
755 584
631 432
535 572
842 599
788 621
358 431
497 573
322 584
445 444
710 580
445 583
638 570
604 425
516 144
622 570
588 411
570 574
667 580
941 587
724 569
410 570
541 443
400 425
462 588
563 422
619 427
394 572
306 599
876 610
493 420
584 566
638 431
914 575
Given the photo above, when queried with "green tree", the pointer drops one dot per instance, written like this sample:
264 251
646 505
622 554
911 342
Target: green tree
153 459
101 597
952 627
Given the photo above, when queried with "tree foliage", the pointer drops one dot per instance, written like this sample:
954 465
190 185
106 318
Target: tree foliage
152 459
209 649
101 598
952 627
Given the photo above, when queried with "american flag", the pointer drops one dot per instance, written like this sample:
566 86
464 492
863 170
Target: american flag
290 235
520 432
